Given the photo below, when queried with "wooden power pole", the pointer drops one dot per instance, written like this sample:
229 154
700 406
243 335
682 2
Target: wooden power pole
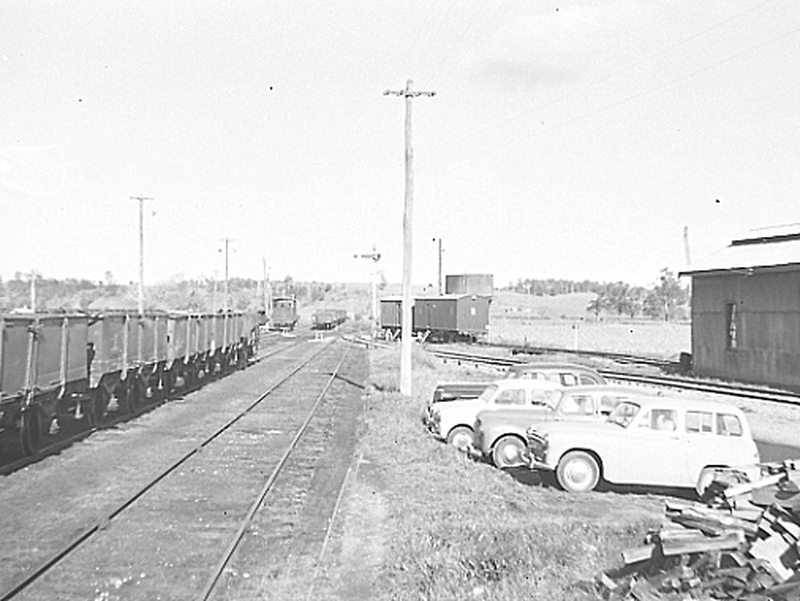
405 356
141 200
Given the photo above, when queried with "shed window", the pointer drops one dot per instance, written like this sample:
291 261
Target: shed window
730 323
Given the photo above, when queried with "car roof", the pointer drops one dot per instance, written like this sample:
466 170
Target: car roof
665 402
526 383
632 391
550 365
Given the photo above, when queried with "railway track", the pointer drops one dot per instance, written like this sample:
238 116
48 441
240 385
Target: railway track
672 381
247 486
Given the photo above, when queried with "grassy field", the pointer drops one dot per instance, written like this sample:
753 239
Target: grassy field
563 322
421 521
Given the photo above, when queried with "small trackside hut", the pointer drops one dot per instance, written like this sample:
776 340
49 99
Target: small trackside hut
746 310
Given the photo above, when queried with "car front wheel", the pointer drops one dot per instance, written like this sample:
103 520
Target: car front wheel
460 437
578 471
508 452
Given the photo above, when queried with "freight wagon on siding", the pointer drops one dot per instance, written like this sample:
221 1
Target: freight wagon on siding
446 318
451 318
327 319
746 310
60 367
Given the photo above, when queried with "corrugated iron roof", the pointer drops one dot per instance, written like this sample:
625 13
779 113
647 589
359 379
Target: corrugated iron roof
770 247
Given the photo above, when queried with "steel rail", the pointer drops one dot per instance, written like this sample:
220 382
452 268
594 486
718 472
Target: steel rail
764 393
265 489
99 524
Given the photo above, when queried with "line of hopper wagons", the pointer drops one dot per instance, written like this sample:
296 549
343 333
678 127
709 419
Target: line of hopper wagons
56 367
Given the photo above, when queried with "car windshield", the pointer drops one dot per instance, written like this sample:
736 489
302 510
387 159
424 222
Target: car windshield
624 413
488 393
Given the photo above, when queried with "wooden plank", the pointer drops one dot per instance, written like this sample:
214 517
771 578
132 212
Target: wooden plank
638 554
702 544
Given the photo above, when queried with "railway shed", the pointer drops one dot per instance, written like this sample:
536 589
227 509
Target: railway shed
746 310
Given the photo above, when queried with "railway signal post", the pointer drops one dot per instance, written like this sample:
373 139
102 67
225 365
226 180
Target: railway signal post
405 356
375 256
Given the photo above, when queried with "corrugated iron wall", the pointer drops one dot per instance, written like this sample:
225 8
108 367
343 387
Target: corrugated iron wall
767 311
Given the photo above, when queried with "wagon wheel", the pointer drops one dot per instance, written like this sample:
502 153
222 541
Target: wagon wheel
508 451
460 437
132 395
167 383
578 471
30 433
98 408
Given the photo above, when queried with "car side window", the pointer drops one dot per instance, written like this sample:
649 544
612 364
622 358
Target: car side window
661 419
568 379
580 404
699 422
608 403
511 396
728 425
587 380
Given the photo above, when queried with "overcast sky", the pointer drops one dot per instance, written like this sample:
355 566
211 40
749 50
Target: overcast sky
572 139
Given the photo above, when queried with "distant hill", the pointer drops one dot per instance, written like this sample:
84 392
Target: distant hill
569 306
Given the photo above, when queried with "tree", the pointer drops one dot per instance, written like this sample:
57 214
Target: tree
669 294
597 305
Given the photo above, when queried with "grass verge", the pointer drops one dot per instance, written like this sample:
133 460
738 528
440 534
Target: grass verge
422 521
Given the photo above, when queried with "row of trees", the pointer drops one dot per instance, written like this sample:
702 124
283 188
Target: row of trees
48 294
667 300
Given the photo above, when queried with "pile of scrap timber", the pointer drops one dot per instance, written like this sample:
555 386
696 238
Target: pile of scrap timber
742 543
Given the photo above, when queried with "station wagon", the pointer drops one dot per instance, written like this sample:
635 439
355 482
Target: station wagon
658 441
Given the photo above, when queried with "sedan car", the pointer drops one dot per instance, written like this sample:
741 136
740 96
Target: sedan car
658 441
452 421
561 373
500 435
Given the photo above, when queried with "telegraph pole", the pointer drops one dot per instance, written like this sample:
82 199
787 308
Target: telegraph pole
227 302
405 356
441 291
374 256
141 200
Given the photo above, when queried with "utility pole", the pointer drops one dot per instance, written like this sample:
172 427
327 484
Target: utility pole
227 303
405 355
441 291
141 200
374 256
33 291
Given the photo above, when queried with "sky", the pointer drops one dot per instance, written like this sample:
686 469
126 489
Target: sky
596 140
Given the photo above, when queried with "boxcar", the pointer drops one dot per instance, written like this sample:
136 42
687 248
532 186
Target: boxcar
450 318
392 316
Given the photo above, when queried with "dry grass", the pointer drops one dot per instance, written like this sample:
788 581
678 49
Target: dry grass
451 528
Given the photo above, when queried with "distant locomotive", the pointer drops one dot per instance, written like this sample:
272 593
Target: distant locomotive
327 319
70 366
284 313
